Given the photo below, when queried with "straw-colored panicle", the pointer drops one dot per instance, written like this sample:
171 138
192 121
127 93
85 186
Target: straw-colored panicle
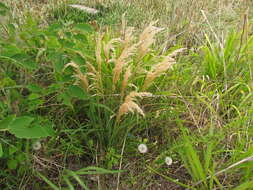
79 75
160 68
129 104
147 38
127 75
98 52
94 76
83 80
128 36
121 61
176 52
109 47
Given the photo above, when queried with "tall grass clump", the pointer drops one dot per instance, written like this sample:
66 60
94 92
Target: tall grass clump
123 70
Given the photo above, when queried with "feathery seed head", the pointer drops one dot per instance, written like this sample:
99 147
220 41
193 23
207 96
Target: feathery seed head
79 75
36 145
147 38
127 75
168 160
129 104
143 148
121 61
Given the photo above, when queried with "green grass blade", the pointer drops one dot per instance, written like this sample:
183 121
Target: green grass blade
245 186
171 179
70 186
53 186
77 178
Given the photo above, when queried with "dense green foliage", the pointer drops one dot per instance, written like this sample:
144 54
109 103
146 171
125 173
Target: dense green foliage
75 103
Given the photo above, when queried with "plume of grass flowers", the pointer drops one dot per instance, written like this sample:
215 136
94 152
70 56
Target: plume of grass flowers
79 75
130 105
126 77
123 60
147 38
108 47
114 66
160 68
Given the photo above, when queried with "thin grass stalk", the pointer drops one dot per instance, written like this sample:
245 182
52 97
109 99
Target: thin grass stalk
127 75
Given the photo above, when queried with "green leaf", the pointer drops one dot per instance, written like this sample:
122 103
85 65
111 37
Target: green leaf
23 127
1 150
55 27
33 96
10 50
66 99
97 170
52 42
78 179
21 122
4 124
12 164
25 60
35 88
77 92
3 9
81 37
84 27
53 186
244 186
58 60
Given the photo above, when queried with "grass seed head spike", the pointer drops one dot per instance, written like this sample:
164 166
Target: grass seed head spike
129 105
108 47
127 75
79 75
121 61
98 52
147 38
158 70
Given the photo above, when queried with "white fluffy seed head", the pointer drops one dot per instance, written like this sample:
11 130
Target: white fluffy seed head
36 145
143 148
168 160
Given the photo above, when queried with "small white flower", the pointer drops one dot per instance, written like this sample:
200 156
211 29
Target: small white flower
36 145
168 160
143 148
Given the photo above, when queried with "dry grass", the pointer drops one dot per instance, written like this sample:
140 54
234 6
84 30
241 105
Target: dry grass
183 18
127 75
129 105
147 38
179 18
160 68
121 61
79 75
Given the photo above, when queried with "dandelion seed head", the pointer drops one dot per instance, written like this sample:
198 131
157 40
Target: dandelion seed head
168 160
143 148
36 145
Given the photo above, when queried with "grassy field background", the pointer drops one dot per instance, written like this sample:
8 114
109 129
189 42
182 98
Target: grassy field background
143 95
